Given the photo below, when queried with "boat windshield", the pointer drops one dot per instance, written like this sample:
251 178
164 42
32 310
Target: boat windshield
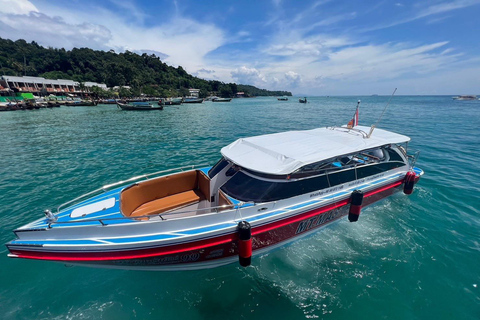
222 163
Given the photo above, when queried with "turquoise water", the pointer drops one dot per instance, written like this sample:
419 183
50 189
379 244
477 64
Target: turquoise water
415 257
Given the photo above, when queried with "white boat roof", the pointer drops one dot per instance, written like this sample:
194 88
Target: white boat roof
285 152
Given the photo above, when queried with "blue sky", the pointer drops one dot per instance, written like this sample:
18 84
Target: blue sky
307 47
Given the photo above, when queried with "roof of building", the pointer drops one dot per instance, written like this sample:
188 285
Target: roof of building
283 153
63 82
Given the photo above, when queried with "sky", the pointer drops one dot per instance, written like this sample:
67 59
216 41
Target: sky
325 47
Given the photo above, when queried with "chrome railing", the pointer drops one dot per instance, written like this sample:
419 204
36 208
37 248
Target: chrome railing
104 222
147 176
412 157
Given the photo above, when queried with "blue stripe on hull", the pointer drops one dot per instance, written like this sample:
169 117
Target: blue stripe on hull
195 231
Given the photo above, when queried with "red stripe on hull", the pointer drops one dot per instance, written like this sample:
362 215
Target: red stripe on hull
219 247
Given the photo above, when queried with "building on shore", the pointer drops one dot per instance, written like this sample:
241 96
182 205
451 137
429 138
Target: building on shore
38 85
194 92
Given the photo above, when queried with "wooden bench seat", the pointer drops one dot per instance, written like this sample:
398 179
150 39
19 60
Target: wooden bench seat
168 203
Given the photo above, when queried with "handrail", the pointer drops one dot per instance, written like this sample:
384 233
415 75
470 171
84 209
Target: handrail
412 158
148 176
160 215
361 132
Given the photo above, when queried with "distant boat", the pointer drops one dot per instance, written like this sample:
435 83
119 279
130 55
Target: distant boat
304 100
89 103
170 102
108 101
282 99
193 100
221 99
467 97
141 106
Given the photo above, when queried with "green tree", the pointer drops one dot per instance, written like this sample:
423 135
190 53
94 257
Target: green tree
111 68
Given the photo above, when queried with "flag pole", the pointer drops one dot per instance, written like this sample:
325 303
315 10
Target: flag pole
353 118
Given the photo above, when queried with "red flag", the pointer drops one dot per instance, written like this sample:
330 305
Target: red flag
354 122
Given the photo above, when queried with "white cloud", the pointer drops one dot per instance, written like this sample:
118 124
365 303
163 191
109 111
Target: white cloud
17 7
427 11
310 46
53 31
296 55
246 75
293 78
182 41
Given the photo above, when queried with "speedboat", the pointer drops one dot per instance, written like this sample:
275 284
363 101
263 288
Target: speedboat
467 97
263 193
221 99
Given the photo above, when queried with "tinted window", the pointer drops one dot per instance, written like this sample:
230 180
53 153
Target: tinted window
217 168
246 188
394 156
366 171
340 177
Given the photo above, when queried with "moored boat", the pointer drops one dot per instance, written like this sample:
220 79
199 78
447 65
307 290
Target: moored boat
264 192
170 101
192 100
304 100
221 99
142 106
282 99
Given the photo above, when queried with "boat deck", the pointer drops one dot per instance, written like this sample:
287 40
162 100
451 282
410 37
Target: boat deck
112 214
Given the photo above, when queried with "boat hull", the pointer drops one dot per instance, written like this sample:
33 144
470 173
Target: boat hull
209 252
128 107
192 100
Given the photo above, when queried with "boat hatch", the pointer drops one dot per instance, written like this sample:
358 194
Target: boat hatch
94 207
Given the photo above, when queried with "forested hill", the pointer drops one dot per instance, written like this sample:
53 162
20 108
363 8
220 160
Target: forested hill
141 72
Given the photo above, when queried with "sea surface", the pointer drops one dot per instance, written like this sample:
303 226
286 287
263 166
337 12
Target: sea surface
408 257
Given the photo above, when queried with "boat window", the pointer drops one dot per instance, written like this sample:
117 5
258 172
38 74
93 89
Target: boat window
247 188
366 171
340 177
394 155
222 163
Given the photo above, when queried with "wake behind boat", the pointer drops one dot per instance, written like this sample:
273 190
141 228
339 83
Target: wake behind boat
138 106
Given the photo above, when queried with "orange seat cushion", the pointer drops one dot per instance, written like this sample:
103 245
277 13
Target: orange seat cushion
168 203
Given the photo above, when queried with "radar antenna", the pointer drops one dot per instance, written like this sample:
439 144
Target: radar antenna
375 125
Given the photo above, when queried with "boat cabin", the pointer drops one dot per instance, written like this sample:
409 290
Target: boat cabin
270 168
